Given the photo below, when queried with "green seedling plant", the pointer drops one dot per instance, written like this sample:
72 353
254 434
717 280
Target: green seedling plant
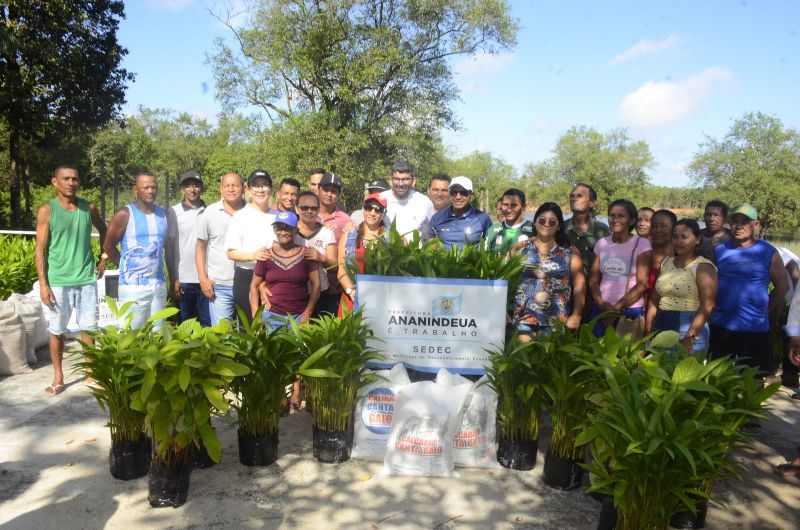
335 354
111 359
514 374
273 363
17 265
185 375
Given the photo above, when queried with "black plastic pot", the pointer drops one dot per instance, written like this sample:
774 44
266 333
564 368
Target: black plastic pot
332 447
258 450
608 515
200 458
518 454
562 473
129 460
689 520
169 485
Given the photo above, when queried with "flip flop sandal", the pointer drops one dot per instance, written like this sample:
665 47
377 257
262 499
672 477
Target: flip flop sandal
796 395
54 390
788 471
751 428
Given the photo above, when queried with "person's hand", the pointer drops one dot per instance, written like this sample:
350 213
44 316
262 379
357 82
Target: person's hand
101 268
207 286
314 255
349 227
47 296
262 254
330 226
177 290
304 317
264 294
688 343
573 322
618 307
794 350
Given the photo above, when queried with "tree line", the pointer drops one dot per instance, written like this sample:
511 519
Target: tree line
348 85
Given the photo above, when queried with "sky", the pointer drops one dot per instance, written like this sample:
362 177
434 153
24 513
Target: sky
670 71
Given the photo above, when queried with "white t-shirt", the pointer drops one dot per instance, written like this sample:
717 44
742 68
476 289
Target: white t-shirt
788 256
320 242
250 229
412 213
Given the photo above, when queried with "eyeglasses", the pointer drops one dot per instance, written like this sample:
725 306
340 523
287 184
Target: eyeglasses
374 208
463 193
546 222
259 189
308 208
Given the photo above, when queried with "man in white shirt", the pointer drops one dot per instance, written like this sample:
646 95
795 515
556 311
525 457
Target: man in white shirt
406 207
186 287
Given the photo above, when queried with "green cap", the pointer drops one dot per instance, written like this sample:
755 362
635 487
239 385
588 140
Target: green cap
746 209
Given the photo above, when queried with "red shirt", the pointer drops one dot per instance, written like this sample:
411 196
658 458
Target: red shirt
288 285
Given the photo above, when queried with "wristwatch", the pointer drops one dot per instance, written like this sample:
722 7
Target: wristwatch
349 292
103 256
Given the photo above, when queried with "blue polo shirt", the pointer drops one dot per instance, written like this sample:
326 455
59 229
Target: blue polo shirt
453 230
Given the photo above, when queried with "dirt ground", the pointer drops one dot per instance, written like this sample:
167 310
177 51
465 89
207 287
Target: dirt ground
54 474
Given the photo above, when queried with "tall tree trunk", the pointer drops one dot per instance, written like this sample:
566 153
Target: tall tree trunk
14 177
26 194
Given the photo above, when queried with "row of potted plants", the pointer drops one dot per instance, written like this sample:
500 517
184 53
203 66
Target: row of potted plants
660 424
161 389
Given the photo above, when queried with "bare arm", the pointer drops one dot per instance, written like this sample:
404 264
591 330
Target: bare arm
636 292
42 240
778 276
171 253
206 283
313 297
794 272
116 228
578 290
254 296
100 224
594 284
261 254
344 278
652 309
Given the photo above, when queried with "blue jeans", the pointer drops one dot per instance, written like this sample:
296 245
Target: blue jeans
194 304
221 308
277 320
82 300
680 321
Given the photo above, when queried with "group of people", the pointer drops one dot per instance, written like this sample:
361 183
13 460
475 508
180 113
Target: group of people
720 288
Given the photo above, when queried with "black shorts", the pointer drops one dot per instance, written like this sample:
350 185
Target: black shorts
752 348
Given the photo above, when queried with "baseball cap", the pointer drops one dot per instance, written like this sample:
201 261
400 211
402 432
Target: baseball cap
378 184
464 182
331 178
746 209
375 197
191 175
259 174
287 218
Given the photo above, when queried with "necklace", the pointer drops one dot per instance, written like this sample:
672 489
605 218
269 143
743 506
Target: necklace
291 254
547 250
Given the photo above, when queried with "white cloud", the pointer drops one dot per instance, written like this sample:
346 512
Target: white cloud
644 47
170 5
474 74
660 103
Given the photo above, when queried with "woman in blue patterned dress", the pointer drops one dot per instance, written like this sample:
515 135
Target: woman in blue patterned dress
553 283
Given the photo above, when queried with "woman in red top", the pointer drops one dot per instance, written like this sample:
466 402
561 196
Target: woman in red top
291 279
351 246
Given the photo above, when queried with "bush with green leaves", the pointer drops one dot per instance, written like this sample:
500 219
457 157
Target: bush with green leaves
335 355
273 362
665 430
514 373
393 256
186 371
17 265
111 360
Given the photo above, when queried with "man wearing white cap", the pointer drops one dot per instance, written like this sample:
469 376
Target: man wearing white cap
462 223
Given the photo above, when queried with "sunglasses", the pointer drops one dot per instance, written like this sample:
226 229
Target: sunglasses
547 222
374 208
308 208
463 193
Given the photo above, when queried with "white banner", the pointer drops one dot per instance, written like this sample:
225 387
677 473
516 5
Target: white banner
432 323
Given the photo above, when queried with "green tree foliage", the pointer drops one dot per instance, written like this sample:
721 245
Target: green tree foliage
59 72
490 175
757 161
613 164
376 75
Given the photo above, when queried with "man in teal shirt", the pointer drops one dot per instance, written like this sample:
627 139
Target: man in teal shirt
65 264
514 228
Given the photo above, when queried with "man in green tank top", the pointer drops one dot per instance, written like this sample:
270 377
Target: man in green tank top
66 265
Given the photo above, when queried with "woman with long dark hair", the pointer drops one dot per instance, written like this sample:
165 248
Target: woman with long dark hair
553 284
683 298
621 264
662 224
